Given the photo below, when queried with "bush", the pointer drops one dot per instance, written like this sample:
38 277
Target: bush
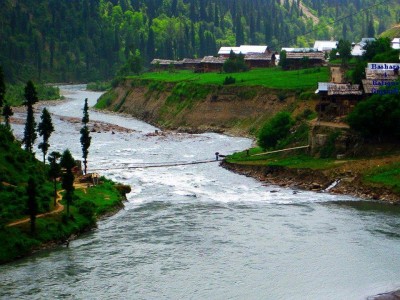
378 116
229 80
274 130
235 63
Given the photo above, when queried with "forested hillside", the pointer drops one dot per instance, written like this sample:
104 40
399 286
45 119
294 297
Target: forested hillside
53 40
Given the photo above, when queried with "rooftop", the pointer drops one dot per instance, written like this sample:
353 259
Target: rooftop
244 49
325 45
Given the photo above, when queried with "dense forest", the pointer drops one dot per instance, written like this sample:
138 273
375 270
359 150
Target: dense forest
52 40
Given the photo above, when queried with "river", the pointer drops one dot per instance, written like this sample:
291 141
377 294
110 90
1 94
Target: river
202 232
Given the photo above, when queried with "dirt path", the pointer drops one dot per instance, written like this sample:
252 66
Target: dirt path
59 208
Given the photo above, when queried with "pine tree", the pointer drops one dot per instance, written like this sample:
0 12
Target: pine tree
371 29
85 136
67 162
32 203
2 87
29 133
45 129
54 171
239 31
7 113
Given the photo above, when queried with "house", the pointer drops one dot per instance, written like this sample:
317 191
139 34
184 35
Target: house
358 49
165 64
244 49
210 64
395 43
298 60
325 46
191 63
260 60
337 99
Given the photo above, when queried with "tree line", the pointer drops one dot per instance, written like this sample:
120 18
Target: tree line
88 40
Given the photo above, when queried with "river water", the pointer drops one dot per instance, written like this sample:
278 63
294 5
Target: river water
202 232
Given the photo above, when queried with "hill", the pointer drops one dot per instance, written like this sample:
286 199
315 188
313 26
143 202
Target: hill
392 33
55 41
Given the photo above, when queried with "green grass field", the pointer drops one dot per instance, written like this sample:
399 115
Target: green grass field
274 78
297 159
387 176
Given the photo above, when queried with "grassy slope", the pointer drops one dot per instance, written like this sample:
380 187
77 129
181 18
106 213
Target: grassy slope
392 33
16 166
57 228
274 78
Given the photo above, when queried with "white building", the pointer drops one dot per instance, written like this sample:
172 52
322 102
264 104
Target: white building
395 43
244 49
325 45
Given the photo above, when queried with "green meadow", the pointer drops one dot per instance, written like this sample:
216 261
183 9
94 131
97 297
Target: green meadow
274 78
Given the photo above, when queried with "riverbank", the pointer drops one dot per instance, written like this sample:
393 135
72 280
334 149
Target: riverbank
53 230
340 177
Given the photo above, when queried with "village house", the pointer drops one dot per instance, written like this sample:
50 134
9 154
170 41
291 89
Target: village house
336 99
210 64
191 63
358 49
299 58
260 60
165 64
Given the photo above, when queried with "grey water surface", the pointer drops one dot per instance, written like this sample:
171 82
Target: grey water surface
202 232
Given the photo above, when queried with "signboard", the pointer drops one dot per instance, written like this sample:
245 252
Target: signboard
384 66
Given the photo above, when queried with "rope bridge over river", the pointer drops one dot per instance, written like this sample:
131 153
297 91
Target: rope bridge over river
154 165
181 163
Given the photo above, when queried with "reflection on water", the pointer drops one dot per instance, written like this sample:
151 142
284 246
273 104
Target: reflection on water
202 232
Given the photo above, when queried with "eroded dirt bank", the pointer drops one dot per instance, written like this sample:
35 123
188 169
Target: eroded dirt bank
237 110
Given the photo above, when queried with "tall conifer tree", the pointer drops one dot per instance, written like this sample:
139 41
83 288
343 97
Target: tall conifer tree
2 87
45 129
85 136
30 99
67 162
32 203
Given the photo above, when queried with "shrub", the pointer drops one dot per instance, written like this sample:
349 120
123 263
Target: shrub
275 129
235 63
378 116
229 80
